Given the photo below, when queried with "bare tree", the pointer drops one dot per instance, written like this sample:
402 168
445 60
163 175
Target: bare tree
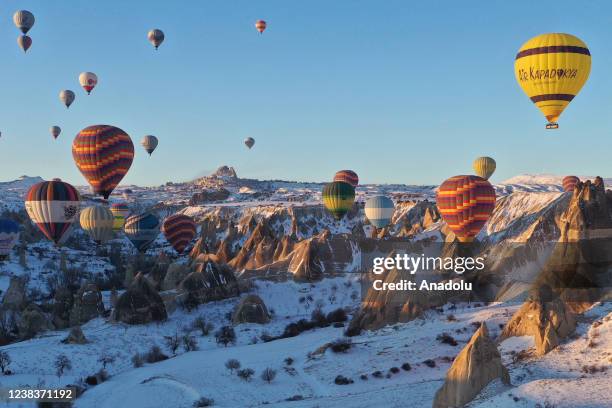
62 364
232 365
5 361
268 375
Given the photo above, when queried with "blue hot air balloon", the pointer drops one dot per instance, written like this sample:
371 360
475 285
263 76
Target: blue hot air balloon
142 230
9 235
379 210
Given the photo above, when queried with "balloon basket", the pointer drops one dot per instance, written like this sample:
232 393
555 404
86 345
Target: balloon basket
552 125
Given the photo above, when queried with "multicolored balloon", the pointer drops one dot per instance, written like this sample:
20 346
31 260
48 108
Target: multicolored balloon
24 42
67 97
97 221
484 167
9 235
55 131
142 230
179 230
249 142
260 25
88 81
465 203
551 69
569 183
149 142
347 176
120 212
338 198
104 155
156 37
24 20
379 210
53 206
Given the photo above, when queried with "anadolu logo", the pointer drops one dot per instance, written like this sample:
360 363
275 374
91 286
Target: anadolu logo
535 74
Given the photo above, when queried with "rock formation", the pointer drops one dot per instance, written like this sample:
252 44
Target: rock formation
176 273
75 336
209 281
87 305
475 366
251 309
139 304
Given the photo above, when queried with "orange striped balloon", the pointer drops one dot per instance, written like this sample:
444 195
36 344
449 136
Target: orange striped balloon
465 203
569 182
179 230
104 155
347 176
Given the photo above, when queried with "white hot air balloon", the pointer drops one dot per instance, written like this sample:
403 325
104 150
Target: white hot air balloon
88 81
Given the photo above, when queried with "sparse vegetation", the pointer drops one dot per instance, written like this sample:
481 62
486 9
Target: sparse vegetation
62 364
155 355
105 360
406 367
342 380
204 402
189 343
202 326
429 363
377 374
268 375
394 370
451 318
138 360
5 361
341 345
225 335
289 361
173 343
246 374
446 338
232 365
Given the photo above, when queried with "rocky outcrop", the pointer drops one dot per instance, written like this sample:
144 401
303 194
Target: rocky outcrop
208 282
15 296
32 321
225 171
543 316
75 336
139 304
251 309
209 196
176 273
87 305
475 366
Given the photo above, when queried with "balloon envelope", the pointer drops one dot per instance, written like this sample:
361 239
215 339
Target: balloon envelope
379 210
9 235
569 183
142 230
97 221
465 203
67 97
551 69
347 176
24 20
149 143
484 167
24 42
120 212
249 142
260 25
53 206
156 37
88 81
338 198
55 131
104 155
179 230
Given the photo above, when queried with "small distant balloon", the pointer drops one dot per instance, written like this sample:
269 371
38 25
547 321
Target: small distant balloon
67 97
55 131
88 81
484 167
249 142
260 25
156 37
347 176
120 212
24 20
149 142
142 230
569 183
24 42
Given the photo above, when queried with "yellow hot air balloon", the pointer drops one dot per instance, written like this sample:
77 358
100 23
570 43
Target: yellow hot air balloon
98 221
551 69
484 167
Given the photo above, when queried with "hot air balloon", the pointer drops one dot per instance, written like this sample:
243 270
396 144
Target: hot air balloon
67 97
347 176
249 142
24 42
104 155
142 230
24 20
55 131
569 182
551 69
98 221
88 81
156 37
120 212
9 235
260 25
53 206
127 193
379 210
338 198
465 203
149 143
484 167
179 230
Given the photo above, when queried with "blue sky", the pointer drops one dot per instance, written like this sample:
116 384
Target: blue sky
400 91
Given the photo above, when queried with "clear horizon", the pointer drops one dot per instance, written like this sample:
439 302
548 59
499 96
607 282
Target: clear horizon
401 93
